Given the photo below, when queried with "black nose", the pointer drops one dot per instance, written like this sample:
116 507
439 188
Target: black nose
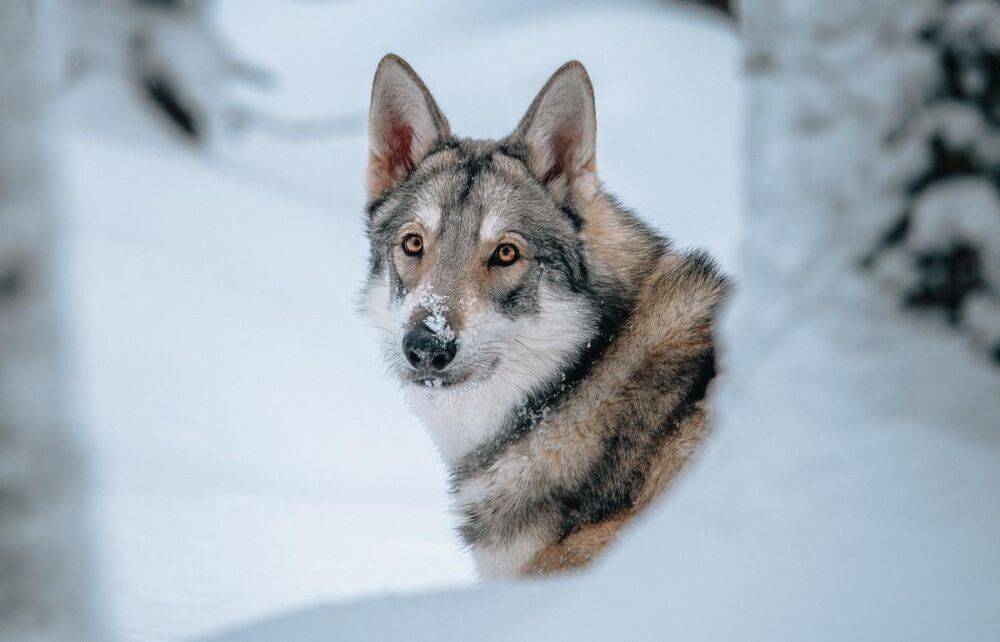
426 350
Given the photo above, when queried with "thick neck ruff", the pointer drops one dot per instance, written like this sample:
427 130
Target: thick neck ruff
605 436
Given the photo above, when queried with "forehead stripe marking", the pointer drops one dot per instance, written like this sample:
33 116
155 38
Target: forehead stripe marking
474 167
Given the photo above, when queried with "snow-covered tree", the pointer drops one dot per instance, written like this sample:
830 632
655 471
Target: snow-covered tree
940 245
44 589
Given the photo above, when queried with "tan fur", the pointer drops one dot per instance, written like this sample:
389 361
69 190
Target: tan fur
674 454
615 247
585 545
579 549
671 321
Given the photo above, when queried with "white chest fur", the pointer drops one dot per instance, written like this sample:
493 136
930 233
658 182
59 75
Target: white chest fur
537 349
457 421
506 561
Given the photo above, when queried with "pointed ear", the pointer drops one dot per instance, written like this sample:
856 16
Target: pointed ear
404 123
558 133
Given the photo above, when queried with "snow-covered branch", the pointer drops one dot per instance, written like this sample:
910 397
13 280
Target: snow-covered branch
939 250
181 68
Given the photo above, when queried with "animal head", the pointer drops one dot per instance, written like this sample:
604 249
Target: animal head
479 270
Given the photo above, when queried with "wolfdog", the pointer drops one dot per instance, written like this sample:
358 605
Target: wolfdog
557 349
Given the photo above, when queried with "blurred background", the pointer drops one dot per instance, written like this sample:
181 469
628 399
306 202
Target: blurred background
248 453
181 249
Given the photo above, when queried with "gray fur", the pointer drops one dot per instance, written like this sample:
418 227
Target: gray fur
607 427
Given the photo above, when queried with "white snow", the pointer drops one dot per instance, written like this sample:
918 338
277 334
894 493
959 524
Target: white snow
250 455
982 316
959 210
436 321
977 17
958 125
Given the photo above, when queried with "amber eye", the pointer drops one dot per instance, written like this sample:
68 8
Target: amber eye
413 245
505 254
